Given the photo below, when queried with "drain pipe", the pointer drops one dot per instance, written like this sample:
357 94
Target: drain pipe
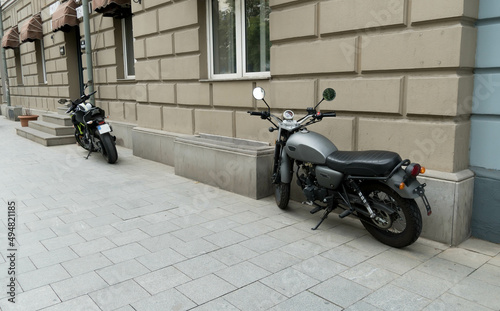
88 49
5 77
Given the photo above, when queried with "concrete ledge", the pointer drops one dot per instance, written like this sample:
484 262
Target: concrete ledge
450 196
236 165
123 133
154 145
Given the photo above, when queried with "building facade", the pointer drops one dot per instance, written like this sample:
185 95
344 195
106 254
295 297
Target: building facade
169 70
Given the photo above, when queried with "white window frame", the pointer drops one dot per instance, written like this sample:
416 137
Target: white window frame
240 47
125 50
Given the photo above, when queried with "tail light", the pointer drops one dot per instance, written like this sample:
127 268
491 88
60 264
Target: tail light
414 169
101 122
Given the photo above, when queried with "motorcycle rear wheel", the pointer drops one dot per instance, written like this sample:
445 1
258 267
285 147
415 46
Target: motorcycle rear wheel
282 195
399 229
108 148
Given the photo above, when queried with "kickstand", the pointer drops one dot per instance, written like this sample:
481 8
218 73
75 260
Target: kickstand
88 155
327 211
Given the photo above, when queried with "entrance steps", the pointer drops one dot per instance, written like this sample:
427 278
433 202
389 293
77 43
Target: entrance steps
51 130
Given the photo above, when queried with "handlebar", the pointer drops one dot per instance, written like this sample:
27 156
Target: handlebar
262 114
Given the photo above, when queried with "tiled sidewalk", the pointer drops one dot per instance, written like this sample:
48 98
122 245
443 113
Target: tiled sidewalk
133 236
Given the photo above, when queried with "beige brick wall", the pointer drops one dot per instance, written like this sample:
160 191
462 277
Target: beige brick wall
402 70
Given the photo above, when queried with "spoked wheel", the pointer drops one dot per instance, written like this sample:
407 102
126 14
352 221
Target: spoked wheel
282 195
398 222
108 148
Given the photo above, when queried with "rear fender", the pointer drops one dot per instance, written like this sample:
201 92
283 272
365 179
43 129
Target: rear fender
410 190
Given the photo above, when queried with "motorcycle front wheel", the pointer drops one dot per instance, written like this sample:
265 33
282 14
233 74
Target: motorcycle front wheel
108 148
282 195
80 140
398 229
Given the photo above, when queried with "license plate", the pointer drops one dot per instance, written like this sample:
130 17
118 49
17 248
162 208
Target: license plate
104 128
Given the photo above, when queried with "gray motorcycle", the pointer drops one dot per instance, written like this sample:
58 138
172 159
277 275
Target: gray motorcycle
377 187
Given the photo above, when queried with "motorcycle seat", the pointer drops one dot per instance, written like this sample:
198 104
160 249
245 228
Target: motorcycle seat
363 163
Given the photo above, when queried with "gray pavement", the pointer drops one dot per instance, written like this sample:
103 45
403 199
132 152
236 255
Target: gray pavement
134 236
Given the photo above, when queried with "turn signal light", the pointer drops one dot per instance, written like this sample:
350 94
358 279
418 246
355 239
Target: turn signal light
402 185
422 170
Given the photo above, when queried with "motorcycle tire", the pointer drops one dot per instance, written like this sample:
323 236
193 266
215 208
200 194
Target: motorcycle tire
282 195
108 148
79 140
403 227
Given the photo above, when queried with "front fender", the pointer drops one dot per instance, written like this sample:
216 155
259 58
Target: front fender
286 172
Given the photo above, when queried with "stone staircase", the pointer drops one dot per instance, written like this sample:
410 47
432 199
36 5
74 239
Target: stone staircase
52 130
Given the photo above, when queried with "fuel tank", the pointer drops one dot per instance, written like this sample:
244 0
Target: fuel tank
309 147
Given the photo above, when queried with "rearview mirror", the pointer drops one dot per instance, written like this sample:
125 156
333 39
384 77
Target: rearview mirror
258 93
329 94
62 101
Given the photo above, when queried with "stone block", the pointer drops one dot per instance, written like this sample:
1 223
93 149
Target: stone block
111 74
130 111
181 68
106 57
178 120
364 95
147 70
146 23
233 94
326 56
487 46
450 197
125 91
193 94
441 146
161 93
149 116
253 128
446 96
435 48
217 122
350 15
179 14
141 92
280 2
290 94
235 165
107 92
427 10
153 3
116 111
123 133
294 23
154 145
139 48
159 45
187 41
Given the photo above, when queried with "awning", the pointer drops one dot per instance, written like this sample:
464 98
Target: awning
112 8
10 39
65 16
32 29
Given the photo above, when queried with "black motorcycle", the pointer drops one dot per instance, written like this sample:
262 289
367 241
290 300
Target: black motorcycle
376 186
91 130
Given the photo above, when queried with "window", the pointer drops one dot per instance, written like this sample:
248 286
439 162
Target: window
40 61
19 67
239 38
128 48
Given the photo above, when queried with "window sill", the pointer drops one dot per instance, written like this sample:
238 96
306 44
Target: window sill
126 80
256 78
